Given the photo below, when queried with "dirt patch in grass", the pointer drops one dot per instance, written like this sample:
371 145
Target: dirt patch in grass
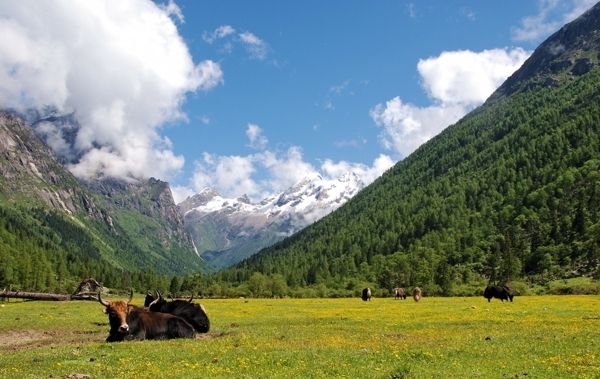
17 340
19 337
206 336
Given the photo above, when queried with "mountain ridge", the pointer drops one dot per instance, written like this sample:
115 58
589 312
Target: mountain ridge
229 230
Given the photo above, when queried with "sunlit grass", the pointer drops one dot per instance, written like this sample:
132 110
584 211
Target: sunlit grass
534 337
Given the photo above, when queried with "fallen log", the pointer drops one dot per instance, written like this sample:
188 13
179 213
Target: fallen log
33 295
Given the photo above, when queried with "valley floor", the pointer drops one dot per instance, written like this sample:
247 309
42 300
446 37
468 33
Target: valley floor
533 337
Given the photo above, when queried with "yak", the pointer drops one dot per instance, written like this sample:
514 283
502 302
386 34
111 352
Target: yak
129 322
195 314
366 294
417 294
399 293
499 292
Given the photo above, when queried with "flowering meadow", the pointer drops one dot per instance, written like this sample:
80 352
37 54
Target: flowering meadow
533 337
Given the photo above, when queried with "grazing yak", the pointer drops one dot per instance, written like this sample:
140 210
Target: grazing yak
128 322
366 294
417 294
399 294
195 314
499 292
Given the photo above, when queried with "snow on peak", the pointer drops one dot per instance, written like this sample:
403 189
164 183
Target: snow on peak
312 197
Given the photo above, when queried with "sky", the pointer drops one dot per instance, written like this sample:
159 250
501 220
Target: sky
248 97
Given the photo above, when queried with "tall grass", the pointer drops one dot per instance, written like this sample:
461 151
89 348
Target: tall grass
534 337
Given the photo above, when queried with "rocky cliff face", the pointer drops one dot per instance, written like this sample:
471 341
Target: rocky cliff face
228 230
30 173
146 208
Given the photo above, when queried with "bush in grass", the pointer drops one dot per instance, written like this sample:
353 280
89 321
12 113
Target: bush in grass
575 286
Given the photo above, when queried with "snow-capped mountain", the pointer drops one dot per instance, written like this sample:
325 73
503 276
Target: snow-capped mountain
226 231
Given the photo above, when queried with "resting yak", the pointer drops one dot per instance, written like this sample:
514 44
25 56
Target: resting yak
499 292
128 322
399 294
366 294
195 314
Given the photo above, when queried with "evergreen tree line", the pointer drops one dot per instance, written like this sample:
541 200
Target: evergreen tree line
42 251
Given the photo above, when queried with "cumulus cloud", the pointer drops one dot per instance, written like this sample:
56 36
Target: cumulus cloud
234 176
257 140
121 68
552 14
456 82
468 78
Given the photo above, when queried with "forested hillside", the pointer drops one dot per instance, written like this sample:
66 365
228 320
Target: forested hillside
55 231
512 191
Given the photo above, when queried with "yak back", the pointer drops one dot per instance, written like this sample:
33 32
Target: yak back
195 314
498 292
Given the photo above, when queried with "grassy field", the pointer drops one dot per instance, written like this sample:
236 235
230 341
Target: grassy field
534 337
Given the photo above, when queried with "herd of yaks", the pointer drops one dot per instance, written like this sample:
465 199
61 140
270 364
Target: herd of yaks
162 319
498 292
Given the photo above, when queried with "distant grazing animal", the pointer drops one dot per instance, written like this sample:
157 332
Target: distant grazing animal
499 292
417 294
128 322
399 294
195 314
366 294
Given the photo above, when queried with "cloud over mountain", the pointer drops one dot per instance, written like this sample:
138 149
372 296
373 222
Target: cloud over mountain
120 67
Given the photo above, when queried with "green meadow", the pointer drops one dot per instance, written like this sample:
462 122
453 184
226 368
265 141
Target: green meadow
533 337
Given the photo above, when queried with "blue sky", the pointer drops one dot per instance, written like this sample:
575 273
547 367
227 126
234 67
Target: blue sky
249 97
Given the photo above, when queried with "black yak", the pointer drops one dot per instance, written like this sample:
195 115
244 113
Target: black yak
195 314
499 292
366 294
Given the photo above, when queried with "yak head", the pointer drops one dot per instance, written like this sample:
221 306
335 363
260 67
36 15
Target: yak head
117 313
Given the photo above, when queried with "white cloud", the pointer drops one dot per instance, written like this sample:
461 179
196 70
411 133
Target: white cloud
121 67
233 176
552 14
220 32
340 88
368 174
457 82
468 78
257 140
256 47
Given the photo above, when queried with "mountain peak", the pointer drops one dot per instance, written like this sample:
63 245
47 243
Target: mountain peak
571 51
229 230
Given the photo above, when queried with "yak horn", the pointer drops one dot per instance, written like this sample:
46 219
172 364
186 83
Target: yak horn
130 296
191 298
103 302
152 303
